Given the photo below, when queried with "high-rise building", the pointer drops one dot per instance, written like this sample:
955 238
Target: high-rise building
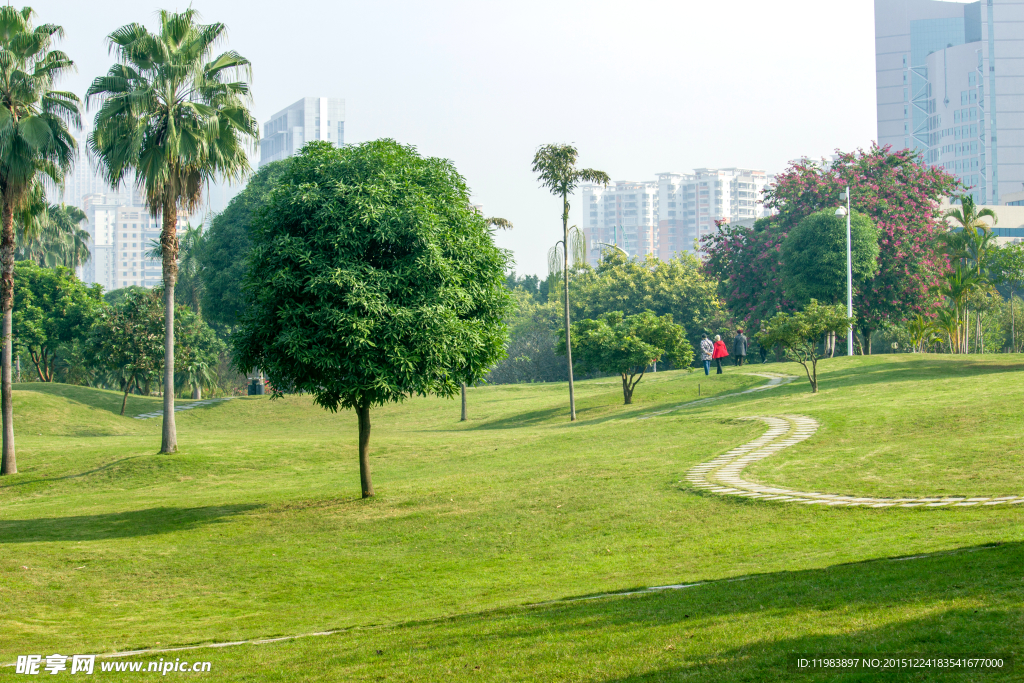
950 83
120 239
667 216
311 118
691 203
624 214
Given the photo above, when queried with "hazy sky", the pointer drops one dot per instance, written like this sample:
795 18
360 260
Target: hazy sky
639 87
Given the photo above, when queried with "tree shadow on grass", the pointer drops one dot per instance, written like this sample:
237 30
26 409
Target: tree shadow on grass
606 411
103 399
966 601
979 633
921 368
48 480
117 524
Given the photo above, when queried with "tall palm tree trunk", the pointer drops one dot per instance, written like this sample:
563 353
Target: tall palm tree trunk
8 463
169 243
197 392
565 288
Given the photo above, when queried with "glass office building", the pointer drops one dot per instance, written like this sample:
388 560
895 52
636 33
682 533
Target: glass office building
950 84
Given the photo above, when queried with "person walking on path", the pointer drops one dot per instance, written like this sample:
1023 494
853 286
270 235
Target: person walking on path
739 347
707 350
719 352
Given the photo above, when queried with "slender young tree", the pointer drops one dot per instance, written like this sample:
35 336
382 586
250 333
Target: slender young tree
35 141
555 166
177 118
970 241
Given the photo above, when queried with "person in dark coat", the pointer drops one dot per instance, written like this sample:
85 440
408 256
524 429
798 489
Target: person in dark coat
719 353
739 347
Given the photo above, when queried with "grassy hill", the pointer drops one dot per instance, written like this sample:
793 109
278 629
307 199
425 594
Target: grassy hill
255 529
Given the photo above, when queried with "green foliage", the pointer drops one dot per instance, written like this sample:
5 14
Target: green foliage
197 352
117 296
54 309
531 354
799 333
35 119
371 279
814 256
128 340
227 245
55 237
676 287
627 345
1007 266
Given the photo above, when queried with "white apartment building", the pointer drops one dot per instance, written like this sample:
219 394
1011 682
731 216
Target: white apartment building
950 83
120 236
669 215
311 118
624 214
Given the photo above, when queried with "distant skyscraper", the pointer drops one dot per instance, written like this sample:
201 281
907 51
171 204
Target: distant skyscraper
664 217
950 83
311 118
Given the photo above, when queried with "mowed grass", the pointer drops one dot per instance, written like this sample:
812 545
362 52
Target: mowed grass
254 529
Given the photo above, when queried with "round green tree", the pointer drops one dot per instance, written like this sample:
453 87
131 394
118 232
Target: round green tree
814 256
371 278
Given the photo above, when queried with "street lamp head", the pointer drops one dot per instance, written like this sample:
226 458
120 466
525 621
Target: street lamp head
841 211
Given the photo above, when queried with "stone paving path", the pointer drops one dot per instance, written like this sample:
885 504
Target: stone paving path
724 474
188 406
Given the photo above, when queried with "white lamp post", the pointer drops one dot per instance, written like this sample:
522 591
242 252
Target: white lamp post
845 211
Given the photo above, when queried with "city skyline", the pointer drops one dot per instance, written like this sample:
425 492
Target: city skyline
484 85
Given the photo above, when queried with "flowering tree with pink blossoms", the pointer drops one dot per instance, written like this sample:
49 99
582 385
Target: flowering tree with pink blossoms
895 189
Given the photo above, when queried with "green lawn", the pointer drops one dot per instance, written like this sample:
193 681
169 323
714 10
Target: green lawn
254 529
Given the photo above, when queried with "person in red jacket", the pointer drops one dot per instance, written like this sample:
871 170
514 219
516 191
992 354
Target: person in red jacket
719 353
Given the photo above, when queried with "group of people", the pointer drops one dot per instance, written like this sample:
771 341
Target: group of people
716 351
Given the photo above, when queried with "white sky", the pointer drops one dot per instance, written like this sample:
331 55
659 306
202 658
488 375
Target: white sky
640 87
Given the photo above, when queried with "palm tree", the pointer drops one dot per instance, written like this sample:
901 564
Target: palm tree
189 288
35 141
51 236
947 321
177 121
556 166
971 244
957 289
922 332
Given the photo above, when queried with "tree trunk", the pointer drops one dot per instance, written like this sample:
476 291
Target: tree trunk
1013 326
363 412
867 340
169 245
627 393
463 403
197 392
8 462
565 284
967 331
127 390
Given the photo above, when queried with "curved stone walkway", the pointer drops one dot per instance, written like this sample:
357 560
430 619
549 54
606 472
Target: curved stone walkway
723 475
187 406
